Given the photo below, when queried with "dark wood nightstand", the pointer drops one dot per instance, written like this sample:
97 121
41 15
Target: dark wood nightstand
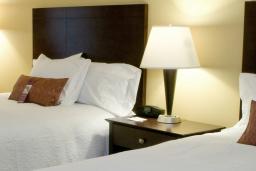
125 134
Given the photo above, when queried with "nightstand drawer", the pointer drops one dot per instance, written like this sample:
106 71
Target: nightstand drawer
134 138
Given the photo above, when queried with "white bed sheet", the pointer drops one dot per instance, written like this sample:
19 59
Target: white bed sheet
33 137
209 152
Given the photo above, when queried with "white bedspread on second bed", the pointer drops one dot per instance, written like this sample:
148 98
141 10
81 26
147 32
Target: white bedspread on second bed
210 152
33 137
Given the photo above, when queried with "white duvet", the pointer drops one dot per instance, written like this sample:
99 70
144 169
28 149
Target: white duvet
33 137
210 152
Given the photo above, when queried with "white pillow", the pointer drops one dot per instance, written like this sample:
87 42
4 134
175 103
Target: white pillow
112 87
75 68
247 83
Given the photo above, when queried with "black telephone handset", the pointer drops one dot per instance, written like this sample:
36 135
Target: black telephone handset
149 111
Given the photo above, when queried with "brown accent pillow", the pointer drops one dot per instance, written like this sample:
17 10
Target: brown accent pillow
249 135
44 91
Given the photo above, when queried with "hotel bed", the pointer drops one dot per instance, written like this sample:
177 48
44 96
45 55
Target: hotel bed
32 136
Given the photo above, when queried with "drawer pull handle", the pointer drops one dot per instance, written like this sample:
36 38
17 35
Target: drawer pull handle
141 141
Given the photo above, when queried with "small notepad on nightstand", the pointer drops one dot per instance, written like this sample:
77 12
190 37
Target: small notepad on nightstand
137 119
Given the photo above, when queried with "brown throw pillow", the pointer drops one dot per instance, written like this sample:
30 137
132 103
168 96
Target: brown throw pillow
249 135
44 91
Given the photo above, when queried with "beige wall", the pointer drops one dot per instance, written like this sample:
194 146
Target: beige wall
208 94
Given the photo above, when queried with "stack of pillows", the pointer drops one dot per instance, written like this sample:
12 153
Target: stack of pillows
248 97
112 87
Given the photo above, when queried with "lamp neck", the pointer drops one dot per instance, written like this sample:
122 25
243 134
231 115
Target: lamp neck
170 82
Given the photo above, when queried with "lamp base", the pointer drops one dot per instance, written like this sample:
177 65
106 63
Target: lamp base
168 119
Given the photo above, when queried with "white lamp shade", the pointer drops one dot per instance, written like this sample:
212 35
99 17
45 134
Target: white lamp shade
170 48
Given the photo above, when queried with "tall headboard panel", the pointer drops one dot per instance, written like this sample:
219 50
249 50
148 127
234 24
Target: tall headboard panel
249 52
249 49
112 34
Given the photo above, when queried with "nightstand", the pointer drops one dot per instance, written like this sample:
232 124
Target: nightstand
125 134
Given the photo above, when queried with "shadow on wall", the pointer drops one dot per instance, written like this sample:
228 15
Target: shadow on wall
216 85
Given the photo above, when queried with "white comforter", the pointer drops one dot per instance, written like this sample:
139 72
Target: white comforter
211 152
33 137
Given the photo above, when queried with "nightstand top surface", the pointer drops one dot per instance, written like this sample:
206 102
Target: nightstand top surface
185 128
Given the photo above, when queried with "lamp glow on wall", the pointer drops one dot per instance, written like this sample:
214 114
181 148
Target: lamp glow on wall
170 48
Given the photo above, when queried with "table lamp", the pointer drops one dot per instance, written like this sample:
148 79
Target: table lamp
170 48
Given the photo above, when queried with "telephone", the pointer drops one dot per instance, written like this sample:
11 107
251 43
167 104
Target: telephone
149 111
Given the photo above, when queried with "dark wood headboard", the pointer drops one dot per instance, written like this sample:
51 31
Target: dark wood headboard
249 49
111 34
249 52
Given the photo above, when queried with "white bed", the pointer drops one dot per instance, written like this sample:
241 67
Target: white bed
210 152
33 137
